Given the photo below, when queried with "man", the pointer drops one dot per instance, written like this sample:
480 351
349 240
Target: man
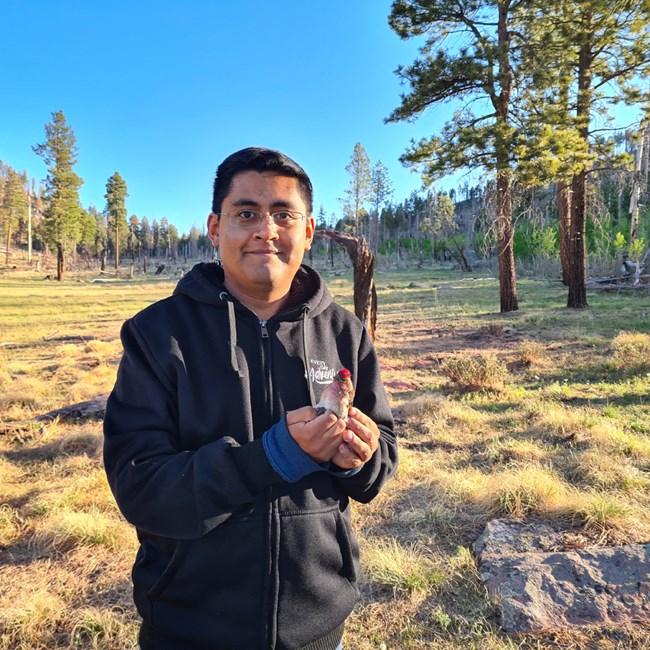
214 451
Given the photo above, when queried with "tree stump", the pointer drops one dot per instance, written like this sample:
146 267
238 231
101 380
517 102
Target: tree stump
363 262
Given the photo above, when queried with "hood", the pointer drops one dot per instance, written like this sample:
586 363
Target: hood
205 283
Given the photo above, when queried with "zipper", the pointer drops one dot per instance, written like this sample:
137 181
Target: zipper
266 372
273 523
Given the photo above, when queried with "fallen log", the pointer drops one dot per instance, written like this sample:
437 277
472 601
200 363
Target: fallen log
90 409
618 287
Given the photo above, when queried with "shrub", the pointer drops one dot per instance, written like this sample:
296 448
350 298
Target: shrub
477 373
530 353
631 351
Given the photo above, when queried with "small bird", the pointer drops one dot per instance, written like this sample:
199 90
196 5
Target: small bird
338 396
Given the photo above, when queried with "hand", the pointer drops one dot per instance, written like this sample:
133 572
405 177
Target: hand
360 441
319 437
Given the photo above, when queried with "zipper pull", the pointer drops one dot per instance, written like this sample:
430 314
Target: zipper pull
265 332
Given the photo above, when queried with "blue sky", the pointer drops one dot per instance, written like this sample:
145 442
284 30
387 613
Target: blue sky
163 91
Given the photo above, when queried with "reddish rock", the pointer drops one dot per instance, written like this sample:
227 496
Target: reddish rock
540 587
398 384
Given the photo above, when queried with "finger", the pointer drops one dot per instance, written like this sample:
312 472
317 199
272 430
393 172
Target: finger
303 414
359 429
327 425
355 415
345 458
357 445
370 435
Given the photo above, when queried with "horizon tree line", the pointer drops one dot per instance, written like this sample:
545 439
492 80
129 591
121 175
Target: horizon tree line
426 226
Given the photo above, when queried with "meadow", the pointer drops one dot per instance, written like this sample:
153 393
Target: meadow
542 414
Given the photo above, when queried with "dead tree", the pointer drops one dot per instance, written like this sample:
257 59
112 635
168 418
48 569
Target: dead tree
363 263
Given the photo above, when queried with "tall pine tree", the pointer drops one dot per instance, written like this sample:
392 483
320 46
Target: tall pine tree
603 48
13 208
116 211
62 214
481 68
359 190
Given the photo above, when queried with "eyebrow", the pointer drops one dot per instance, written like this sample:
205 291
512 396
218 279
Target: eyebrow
276 204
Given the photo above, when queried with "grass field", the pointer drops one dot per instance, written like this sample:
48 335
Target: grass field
541 414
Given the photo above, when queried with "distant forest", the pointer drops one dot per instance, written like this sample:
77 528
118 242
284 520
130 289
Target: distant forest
424 227
535 87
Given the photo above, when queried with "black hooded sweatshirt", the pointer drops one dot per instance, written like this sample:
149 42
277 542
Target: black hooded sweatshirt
231 555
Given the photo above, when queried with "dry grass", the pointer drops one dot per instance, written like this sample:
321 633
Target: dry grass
479 372
631 350
553 424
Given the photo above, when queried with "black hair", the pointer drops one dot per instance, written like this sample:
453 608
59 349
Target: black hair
259 159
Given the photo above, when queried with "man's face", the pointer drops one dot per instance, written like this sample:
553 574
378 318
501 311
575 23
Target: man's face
263 260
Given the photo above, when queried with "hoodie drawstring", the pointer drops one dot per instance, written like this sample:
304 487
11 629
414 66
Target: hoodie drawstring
232 324
305 311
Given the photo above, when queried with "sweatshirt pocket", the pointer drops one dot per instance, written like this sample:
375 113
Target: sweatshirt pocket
318 560
211 592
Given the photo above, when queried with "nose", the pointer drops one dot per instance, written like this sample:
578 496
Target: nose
267 227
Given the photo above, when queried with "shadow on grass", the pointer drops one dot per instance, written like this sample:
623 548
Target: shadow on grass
78 444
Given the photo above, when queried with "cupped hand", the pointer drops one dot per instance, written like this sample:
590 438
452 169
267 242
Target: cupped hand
318 436
360 441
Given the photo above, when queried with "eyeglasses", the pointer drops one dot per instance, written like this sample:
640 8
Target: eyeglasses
252 219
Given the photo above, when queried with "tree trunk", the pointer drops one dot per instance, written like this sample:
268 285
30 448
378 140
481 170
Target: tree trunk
505 230
637 181
8 244
117 247
60 262
577 297
564 228
507 276
29 228
374 231
363 262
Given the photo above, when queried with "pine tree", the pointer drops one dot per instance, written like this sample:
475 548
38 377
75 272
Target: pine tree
608 43
13 207
481 69
581 57
115 196
133 238
163 238
146 237
359 191
172 241
380 191
62 214
155 238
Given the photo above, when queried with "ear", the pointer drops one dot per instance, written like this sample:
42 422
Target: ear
309 234
213 229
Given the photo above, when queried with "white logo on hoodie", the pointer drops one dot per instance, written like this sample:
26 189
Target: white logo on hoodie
320 373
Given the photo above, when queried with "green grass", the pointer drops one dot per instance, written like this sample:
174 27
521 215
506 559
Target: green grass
565 438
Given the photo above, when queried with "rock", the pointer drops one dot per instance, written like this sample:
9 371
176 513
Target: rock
398 385
541 587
